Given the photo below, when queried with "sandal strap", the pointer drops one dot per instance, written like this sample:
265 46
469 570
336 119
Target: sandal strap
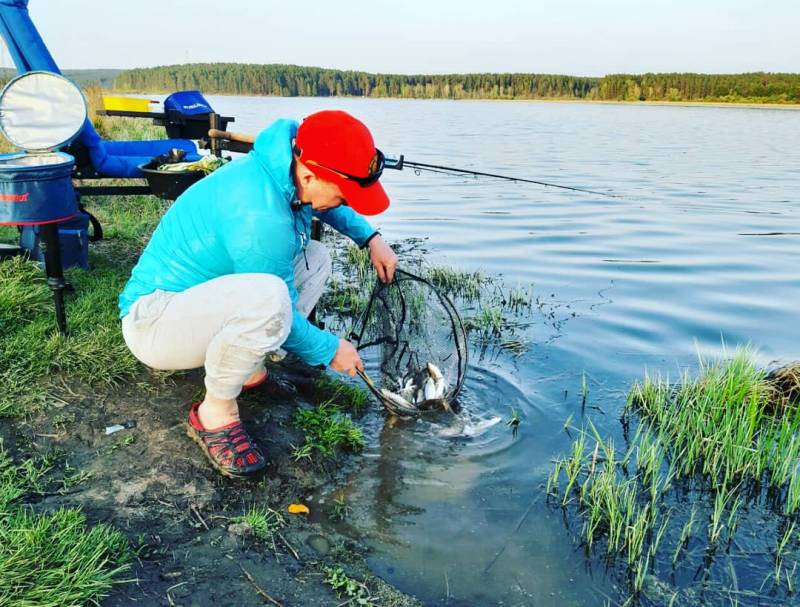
231 447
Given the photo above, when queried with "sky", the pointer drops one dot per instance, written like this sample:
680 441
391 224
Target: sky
577 37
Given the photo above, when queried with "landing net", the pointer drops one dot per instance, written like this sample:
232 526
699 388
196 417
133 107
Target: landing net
409 326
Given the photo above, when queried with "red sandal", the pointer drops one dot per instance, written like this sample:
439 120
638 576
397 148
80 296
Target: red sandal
230 449
275 387
257 382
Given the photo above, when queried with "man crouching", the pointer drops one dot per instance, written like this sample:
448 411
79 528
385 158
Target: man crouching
230 273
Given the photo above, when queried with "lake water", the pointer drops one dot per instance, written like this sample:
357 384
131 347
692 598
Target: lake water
701 250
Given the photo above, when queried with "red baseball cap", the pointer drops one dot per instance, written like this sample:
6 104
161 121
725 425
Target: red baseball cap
339 148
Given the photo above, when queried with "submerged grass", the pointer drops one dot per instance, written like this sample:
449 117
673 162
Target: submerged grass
457 282
732 432
51 559
494 314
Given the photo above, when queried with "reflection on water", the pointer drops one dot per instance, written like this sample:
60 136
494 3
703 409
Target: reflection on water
702 249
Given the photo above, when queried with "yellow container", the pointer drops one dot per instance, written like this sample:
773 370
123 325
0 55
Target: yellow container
126 104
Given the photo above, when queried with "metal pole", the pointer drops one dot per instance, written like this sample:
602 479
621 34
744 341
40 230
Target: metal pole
54 272
213 124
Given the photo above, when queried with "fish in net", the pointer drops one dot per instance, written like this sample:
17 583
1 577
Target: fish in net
416 334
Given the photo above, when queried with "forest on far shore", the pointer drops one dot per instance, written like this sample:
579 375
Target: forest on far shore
299 81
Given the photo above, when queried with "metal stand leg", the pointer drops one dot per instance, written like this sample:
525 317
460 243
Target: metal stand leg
54 272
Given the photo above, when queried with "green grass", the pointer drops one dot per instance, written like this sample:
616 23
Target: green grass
263 522
33 357
327 429
352 591
56 558
345 299
346 395
732 431
52 558
489 319
128 219
360 262
452 281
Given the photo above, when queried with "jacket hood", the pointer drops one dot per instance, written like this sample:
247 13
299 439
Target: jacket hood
273 150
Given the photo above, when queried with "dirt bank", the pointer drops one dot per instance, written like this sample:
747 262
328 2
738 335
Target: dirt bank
155 485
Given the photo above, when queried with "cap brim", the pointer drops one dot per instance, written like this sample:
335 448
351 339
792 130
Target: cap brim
371 200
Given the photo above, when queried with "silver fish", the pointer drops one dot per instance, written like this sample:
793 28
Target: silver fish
440 387
434 372
429 389
464 428
397 404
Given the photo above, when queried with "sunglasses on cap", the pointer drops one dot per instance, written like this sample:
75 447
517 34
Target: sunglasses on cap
376 167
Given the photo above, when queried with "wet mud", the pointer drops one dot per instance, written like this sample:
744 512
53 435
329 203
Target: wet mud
153 483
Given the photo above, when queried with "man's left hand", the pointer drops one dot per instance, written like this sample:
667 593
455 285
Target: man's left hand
383 259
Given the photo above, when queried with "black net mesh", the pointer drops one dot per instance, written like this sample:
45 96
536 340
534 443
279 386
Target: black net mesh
414 334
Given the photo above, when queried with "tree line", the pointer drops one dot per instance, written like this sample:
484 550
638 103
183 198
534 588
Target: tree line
300 81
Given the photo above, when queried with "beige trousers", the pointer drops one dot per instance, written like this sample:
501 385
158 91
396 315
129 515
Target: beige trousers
227 324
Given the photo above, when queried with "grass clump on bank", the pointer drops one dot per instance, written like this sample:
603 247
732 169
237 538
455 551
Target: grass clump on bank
262 522
327 429
49 559
346 395
728 439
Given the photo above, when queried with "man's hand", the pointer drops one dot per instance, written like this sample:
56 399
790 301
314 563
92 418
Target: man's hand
383 258
347 359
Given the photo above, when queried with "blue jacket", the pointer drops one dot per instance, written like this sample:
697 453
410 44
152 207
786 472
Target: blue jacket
237 220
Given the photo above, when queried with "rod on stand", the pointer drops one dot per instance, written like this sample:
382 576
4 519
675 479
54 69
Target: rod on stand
54 272
400 163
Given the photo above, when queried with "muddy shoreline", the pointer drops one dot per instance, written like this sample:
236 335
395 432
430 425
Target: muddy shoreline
155 485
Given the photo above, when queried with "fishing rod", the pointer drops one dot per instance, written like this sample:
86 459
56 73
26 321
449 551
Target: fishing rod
400 163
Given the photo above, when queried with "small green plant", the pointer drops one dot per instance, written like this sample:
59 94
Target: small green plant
514 422
518 298
263 522
125 441
73 480
584 388
61 420
355 592
686 533
360 262
457 282
303 452
339 508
